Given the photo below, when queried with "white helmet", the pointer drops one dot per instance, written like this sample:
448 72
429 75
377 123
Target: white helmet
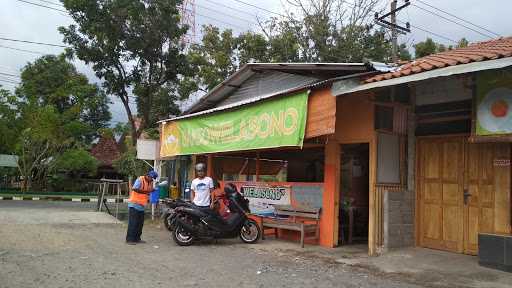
200 167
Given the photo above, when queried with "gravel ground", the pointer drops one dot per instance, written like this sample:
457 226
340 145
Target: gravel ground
95 255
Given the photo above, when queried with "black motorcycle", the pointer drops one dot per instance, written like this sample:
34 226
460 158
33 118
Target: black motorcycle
190 223
168 213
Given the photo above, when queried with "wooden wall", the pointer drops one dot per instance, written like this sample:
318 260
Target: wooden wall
321 118
354 118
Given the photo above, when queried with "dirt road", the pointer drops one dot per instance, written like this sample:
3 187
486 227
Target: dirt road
92 253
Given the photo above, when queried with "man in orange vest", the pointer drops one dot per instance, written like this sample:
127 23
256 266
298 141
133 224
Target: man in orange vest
139 195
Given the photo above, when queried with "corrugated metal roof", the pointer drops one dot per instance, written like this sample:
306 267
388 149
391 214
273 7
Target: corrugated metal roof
343 87
251 100
482 51
265 83
320 71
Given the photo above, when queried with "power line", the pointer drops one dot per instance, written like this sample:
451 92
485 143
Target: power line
32 42
22 50
430 32
51 3
221 21
457 17
44 6
226 14
450 20
259 8
11 75
229 7
9 81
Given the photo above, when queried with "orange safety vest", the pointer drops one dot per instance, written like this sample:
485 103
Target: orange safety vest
140 198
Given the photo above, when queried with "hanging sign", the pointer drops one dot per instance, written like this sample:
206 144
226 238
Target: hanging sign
494 103
263 196
274 123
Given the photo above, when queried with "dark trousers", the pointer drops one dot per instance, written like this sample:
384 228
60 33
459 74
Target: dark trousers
135 223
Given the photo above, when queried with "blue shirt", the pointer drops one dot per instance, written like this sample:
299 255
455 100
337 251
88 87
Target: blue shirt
136 185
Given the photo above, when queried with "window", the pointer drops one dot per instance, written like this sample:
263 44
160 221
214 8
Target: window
383 118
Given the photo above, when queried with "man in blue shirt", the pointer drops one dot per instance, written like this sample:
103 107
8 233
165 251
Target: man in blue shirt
138 199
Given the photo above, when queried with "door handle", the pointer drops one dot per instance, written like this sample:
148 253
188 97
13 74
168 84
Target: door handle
466 196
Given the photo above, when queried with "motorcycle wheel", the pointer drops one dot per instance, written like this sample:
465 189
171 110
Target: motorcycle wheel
167 222
181 237
250 232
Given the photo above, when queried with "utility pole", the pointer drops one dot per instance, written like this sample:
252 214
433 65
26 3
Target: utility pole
391 25
394 35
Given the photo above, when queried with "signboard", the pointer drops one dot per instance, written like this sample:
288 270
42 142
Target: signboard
7 160
494 103
262 196
274 123
147 149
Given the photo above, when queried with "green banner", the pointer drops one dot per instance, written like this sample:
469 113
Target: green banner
268 124
494 103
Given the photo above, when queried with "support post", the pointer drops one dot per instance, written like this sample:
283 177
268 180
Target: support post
209 166
331 196
257 166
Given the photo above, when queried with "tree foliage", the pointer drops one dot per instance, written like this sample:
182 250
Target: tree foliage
129 165
56 110
429 47
77 161
134 46
9 126
318 31
53 81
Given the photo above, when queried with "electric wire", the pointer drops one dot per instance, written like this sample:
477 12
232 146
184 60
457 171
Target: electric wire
452 21
457 17
232 8
44 6
259 8
225 14
33 42
414 26
22 50
11 75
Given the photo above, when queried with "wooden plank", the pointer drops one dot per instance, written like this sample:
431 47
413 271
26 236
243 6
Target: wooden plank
374 216
321 117
502 186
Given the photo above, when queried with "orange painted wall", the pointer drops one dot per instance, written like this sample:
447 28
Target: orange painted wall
330 202
354 118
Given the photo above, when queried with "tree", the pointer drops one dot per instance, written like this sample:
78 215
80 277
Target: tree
40 142
403 53
463 43
53 81
76 161
429 47
425 48
133 45
57 110
9 126
319 31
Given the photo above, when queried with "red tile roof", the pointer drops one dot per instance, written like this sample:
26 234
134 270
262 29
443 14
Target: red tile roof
482 51
106 151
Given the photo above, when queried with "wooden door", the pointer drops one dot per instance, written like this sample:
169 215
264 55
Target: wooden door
441 166
449 168
487 186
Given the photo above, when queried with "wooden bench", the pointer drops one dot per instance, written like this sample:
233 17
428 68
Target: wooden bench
292 223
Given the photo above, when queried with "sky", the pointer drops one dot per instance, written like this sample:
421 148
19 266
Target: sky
23 21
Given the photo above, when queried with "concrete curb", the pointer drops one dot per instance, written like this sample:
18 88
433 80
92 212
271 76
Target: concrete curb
60 198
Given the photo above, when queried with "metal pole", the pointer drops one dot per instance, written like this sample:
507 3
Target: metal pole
105 187
117 200
394 34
